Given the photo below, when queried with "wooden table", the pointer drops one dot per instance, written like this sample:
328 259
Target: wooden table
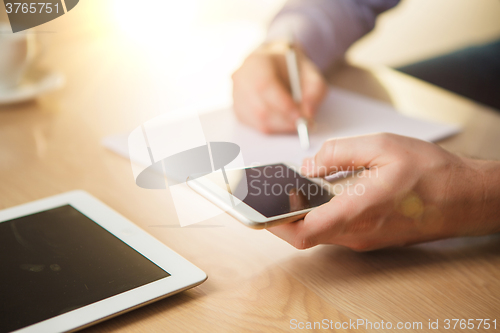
256 281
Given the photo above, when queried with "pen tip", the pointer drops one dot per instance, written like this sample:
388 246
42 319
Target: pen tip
303 133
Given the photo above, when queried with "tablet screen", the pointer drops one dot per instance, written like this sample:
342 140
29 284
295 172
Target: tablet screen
59 260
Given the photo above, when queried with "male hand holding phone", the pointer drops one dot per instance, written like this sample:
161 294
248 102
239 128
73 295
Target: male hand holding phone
420 193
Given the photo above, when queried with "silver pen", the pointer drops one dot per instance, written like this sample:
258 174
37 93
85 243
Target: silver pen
293 73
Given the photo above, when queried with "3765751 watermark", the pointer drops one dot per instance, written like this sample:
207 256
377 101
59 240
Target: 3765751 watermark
26 14
432 324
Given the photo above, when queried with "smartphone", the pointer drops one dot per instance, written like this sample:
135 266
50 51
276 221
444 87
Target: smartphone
263 196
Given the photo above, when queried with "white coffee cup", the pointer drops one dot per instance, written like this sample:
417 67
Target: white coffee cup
16 53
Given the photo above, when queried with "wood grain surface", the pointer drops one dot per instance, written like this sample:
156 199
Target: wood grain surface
257 282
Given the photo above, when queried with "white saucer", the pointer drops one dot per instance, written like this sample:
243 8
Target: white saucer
35 84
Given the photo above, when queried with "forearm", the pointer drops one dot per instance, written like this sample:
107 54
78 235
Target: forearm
326 28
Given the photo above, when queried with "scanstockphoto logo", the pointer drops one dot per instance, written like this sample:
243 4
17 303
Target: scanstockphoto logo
167 151
25 15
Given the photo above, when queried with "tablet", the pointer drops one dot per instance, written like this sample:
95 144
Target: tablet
69 261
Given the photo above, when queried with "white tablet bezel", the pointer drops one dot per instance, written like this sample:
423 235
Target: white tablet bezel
243 212
183 274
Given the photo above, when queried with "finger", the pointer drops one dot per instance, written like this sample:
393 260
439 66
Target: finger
265 104
337 221
279 99
249 109
281 111
298 200
342 220
276 122
309 232
292 233
258 86
352 153
353 217
254 112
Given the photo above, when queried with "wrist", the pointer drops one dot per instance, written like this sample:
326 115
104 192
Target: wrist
490 211
480 202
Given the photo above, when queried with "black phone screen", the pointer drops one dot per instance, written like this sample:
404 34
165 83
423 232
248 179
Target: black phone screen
275 189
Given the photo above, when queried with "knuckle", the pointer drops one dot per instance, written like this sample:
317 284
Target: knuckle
261 115
264 84
382 140
262 123
325 155
317 82
235 76
238 76
264 129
